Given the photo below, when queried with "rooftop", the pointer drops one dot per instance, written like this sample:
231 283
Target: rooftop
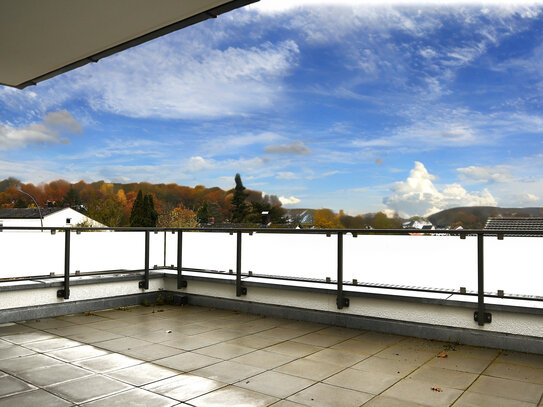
164 355
27 213
512 223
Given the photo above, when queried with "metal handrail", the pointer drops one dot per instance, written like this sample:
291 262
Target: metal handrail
481 316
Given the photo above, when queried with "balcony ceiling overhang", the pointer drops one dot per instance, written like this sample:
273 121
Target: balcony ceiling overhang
41 39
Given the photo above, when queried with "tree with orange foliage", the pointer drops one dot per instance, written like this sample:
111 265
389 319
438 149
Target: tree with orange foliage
326 219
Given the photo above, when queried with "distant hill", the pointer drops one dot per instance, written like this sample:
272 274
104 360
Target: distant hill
473 217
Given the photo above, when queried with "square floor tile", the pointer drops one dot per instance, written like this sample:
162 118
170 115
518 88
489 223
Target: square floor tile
367 382
228 372
108 362
295 349
120 344
224 350
516 372
309 369
519 358
33 398
318 339
22 363
443 377
184 386
10 385
383 401
359 346
471 399
275 384
325 395
133 398
263 359
53 374
510 389
28 337
151 352
52 344
142 374
187 361
255 341
336 357
78 353
14 351
461 363
232 396
400 368
88 388
422 393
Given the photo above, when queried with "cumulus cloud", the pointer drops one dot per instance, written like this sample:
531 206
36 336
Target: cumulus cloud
52 129
496 173
198 163
289 201
295 148
419 196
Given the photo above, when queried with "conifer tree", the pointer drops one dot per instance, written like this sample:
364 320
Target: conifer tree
150 214
241 209
137 215
203 214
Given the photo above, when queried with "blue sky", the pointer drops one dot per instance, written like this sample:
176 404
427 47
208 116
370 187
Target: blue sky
355 107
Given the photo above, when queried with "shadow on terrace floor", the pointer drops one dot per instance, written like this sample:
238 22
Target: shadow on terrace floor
165 356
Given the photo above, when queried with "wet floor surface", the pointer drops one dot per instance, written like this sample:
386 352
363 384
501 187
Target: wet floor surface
196 356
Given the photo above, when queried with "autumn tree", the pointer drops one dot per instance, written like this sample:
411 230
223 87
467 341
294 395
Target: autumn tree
107 211
240 208
326 219
183 218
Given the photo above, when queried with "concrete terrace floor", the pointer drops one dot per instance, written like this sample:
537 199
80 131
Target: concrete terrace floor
194 356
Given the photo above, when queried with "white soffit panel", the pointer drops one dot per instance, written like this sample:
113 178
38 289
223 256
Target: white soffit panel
40 39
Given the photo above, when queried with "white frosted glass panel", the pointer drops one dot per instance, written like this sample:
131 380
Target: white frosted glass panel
211 251
31 253
99 251
421 261
514 265
295 255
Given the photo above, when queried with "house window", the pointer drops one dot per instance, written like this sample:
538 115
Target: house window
68 220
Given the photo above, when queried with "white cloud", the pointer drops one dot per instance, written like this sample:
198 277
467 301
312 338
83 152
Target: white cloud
526 198
286 175
218 145
419 196
52 129
295 148
475 174
174 78
196 164
289 201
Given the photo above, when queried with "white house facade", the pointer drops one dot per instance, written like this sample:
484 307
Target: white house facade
52 217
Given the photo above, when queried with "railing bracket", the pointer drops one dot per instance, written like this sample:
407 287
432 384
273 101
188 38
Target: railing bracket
342 302
487 317
182 284
62 294
141 284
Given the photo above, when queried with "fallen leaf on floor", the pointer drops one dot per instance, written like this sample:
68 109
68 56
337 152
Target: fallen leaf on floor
443 355
438 389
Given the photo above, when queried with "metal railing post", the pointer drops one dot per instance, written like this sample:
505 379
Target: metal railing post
480 315
341 301
65 293
181 283
145 283
240 290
